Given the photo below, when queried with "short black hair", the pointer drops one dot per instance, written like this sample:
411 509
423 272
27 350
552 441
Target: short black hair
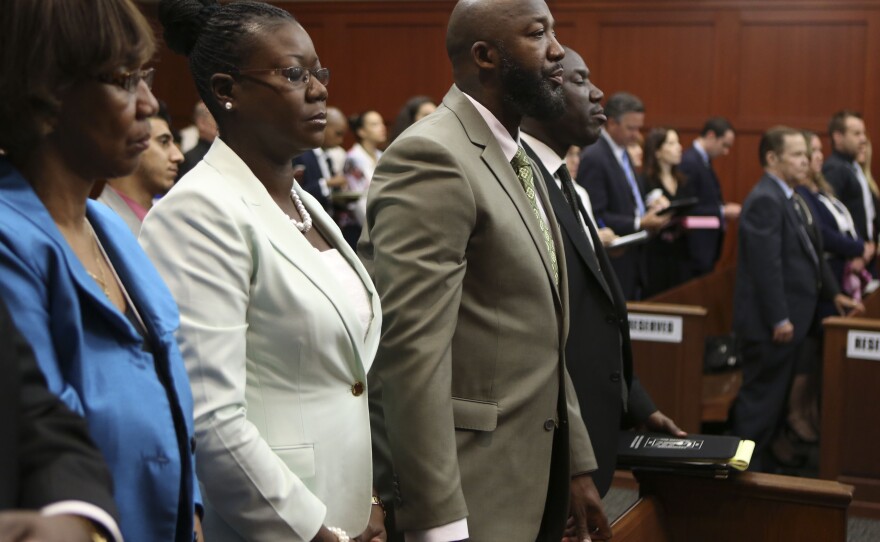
718 126
838 122
621 103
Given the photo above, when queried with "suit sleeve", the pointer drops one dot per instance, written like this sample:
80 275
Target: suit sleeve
583 459
204 256
57 460
762 226
639 404
420 215
593 175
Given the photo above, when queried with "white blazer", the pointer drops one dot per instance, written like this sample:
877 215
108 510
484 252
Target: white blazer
276 355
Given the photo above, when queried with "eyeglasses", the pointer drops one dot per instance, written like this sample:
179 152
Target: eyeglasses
129 80
297 74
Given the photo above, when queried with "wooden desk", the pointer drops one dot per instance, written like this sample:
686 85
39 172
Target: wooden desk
670 370
749 506
850 428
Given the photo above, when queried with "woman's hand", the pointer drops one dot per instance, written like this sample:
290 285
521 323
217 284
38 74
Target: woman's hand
375 531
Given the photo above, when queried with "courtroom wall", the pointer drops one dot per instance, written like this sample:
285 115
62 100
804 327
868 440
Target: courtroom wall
758 63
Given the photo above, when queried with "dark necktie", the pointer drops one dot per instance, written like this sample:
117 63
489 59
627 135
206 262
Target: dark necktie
329 165
568 189
806 224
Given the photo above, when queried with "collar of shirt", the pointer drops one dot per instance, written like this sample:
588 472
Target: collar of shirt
546 156
135 207
615 148
508 144
785 188
701 151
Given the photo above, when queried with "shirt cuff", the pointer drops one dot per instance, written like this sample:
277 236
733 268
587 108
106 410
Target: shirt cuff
85 510
782 323
457 530
637 224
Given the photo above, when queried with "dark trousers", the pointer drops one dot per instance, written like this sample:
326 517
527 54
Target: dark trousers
768 369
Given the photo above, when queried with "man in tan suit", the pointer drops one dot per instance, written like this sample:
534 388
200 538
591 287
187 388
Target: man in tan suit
477 433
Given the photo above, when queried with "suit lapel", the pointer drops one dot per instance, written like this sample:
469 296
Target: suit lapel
290 243
795 222
570 224
481 135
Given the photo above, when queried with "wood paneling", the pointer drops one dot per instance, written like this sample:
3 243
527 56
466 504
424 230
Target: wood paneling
758 62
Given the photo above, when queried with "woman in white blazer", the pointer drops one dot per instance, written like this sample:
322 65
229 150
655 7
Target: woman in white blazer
279 320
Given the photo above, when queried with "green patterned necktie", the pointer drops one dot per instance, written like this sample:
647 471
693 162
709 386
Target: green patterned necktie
526 177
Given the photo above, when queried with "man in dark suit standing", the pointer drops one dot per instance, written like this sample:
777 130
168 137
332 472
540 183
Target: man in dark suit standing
47 460
598 353
847 133
781 274
617 195
715 139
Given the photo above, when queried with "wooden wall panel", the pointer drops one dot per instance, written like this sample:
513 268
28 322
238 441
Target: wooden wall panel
758 62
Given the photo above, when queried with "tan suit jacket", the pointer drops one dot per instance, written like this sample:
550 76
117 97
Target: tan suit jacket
469 383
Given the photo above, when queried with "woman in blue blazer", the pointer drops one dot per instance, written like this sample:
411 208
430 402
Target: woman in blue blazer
74 108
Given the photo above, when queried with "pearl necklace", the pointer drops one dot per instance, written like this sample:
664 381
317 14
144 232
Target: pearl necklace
306 224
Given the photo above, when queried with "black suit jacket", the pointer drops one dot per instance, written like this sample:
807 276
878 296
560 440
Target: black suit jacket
776 276
193 157
311 180
612 199
838 171
704 246
46 454
598 352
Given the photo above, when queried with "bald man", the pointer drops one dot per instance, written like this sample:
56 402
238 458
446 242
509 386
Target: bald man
477 431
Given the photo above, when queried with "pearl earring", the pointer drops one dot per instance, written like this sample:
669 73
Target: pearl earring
228 106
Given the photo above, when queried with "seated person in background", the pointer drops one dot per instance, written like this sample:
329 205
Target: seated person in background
370 135
666 254
318 175
207 128
47 460
132 196
98 316
598 353
704 246
415 109
279 321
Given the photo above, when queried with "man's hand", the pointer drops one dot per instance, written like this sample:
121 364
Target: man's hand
731 211
606 236
847 306
783 333
587 521
654 222
197 528
857 265
339 181
870 251
20 526
375 531
661 423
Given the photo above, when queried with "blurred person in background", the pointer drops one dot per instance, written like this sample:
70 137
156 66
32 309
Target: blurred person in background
415 109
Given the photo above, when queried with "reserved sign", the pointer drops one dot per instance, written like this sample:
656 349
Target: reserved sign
863 345
660 328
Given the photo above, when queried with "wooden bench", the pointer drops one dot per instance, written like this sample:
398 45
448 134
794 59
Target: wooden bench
749 506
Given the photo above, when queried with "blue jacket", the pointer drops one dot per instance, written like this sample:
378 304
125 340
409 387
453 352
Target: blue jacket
138 406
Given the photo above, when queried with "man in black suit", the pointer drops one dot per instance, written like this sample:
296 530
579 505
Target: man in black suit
847 133
318 175
207 127
781 274
618 196
598 352
715 139
47 460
